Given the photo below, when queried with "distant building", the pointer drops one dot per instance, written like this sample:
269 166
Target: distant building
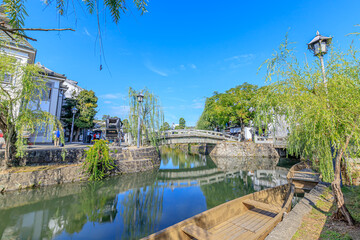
73 89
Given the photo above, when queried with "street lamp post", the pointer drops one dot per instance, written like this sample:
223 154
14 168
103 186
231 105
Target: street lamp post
319 46
140 98
74 110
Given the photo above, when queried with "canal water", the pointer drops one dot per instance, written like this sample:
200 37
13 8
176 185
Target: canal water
132 206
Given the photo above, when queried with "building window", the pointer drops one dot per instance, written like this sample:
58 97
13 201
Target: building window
47 94
7 78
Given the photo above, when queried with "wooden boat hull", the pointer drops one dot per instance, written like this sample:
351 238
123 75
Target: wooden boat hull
249 217
301 179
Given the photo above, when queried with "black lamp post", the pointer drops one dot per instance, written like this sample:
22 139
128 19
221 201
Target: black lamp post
73 110
140 98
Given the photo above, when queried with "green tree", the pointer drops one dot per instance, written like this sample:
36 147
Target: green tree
21 91
182 123
165 126
323 118
125 126
152 116
98 162
104 117
86 103
234 106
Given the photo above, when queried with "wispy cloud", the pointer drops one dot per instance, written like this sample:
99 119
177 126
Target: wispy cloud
240 60
87 32
198 103
120 110
113 96
187 66
193 66
149 66
108 102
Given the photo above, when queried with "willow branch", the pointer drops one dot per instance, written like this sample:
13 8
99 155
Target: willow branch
39 29
17 31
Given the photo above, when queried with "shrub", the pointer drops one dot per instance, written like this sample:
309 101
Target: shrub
98 162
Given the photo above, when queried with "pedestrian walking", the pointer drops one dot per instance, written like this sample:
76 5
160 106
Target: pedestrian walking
2 140
56 138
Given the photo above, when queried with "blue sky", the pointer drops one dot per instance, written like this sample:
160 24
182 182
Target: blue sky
182 51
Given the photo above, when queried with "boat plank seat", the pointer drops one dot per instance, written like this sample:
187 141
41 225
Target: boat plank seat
197 232
243 226
263 206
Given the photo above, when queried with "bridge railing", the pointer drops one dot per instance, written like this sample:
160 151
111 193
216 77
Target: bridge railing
199 132
277 141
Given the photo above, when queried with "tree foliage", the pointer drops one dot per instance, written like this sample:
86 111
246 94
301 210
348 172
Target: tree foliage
21 89
16 10
323 118
152 116
234 106
182 123
165 126
86 103
98 163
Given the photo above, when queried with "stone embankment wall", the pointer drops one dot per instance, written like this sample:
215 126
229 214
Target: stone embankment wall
34 157
244 149
230 149
194 148
127 160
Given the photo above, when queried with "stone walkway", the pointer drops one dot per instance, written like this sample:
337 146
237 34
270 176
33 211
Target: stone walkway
292 221
67 145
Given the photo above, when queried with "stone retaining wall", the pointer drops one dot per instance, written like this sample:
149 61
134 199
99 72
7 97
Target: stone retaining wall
244 149
193 148
33 157
127 160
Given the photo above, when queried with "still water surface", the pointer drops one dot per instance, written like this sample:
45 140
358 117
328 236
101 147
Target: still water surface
132 206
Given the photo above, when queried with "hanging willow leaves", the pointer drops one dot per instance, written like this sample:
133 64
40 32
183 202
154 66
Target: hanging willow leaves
323 118
152 116
22 87
98 162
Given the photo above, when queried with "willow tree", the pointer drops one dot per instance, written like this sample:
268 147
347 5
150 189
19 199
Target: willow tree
152 116
22 87
323 120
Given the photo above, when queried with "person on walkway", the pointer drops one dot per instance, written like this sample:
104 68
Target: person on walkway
2 140
57 138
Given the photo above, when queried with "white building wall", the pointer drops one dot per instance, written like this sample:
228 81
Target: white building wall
73 89
51 105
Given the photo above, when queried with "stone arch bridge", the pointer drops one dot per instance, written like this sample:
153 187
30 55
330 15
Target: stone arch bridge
195 136
211 137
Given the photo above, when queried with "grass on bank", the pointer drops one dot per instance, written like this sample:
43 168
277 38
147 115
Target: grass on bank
318 224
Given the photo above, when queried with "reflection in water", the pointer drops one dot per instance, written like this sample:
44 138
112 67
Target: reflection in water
134 205
141 211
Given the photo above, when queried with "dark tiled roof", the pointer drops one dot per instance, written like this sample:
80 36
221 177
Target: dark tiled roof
50 72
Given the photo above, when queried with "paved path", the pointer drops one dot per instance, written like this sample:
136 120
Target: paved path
292 221
43 146
51 146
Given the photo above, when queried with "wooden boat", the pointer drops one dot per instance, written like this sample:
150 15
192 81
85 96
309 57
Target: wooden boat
303 177
249 217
